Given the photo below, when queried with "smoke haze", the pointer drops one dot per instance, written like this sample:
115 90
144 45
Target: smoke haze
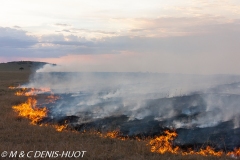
213 98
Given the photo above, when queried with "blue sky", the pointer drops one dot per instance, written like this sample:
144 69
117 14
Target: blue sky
194 36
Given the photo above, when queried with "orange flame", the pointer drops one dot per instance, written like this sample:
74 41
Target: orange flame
31 111
112 134
60 128
235 153
52 98
31 92
11 87
163 144
208 151
21 92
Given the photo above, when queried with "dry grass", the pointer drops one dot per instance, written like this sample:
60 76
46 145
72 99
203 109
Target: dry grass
16 134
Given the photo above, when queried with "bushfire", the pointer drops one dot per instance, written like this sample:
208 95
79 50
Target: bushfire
160 144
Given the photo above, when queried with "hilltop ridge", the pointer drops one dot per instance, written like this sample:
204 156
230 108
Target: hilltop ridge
22 66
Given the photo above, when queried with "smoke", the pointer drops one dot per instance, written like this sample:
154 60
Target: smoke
174 100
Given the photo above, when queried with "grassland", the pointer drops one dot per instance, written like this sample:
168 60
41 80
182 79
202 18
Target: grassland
16 134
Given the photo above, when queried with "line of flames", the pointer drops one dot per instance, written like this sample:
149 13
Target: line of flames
30 92
160 144
164 143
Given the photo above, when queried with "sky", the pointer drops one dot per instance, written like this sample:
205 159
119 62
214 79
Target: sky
175 36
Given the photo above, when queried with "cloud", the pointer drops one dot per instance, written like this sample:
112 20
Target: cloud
88 32
94 31
196 8
170 26
214 50
214 38
16 27
13 38
62 24
66 30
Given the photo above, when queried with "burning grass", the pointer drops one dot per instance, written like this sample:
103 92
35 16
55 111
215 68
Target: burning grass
235 153
30 92
31 111
164 143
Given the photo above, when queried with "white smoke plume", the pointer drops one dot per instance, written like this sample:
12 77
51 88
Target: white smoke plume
207 99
